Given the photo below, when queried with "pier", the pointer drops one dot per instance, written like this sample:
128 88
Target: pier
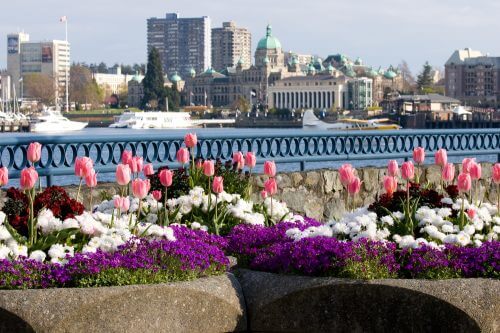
14 126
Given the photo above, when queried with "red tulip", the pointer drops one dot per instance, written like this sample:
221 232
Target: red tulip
390 184
464 182
190 140
122 203
148 170
218 185
123 174
208 168
239 160
91 179
263 194
183 155
127 156
448 173
250 160
166 177
29 176
475 170
496 174
354 187
270 168
392 168
346 173
156 195
419 155
4 176
271 186
140 188
34 152
83 165
441 157
408 170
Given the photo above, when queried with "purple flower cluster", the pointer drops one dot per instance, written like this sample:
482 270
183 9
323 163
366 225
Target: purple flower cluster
269 249
195 252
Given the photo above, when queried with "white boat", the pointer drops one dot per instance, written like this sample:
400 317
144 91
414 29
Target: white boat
53 121
310 121
162 120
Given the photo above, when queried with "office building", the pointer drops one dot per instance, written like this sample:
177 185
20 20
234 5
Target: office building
51 58
183 43
114 82
231 44
473 78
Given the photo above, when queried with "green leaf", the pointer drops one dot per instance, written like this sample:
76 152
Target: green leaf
13 232
45 242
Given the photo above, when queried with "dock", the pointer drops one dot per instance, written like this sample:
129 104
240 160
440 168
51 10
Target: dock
14 126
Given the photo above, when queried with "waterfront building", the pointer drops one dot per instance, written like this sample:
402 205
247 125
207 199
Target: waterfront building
404 104
51 58
360 93
183 43
230 44
115 81
135 91
5 89
473 78
301 59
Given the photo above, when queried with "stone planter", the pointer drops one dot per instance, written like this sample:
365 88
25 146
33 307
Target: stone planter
280 303
212 304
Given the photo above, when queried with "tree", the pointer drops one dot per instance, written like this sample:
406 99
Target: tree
41 87
102 68
174 98
83 89
241 104
153 83
409 83
424 79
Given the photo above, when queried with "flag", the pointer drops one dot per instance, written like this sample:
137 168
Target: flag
191 93
253 94
63 19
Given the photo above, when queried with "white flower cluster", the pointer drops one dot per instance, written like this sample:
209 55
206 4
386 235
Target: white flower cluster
437 226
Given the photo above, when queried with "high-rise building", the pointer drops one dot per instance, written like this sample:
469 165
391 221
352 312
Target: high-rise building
51 58
183 43
231 45
473 78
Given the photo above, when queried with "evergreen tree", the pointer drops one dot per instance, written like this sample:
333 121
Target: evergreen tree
424 79
153 83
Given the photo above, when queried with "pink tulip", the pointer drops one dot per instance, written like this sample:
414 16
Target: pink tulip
390 184
354 187
34 152
467 163
263 194
136 164
270 168
392 168
156 195
475 170
122 203
448 173
166 177
199 164
208 168
140 188
183 156
441 157
271 186
148 170
127 156
408 170
83 165
419 155
346 173
250 160
123 174
4 176
496 173
190 140
218 185
464 182
29 177
471 213
91 178
239 160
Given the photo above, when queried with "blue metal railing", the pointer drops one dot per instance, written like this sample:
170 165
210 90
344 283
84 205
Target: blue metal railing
59 152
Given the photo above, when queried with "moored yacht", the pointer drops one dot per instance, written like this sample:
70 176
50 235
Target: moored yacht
51 120
154 119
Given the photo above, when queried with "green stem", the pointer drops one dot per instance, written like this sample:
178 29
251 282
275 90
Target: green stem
216 222
462 217
498 199
32 231
79 188
91 199
138 215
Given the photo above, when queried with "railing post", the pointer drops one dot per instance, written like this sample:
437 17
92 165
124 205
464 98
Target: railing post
49 180
498 158
302 165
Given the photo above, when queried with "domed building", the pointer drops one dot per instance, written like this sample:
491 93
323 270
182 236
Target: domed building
269 48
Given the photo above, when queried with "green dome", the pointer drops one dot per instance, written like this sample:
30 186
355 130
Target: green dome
192 72
358 62
269 42
349 71
136 78
175 78
294 60
372 73
390 74
240 61
330 68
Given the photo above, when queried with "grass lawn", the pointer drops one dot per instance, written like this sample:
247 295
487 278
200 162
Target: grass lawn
102 111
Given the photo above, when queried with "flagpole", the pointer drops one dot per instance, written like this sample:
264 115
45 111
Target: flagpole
67 65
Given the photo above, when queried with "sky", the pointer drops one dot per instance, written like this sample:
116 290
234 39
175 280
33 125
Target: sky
381 32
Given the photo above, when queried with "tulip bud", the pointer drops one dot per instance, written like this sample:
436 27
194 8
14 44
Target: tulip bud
419 155
464 182
496 174
123 174
390 185
408 170
250 160
393 168
166 176
354 187
148 170
28 179
34 152
183 156
441 157
271 186
448 173
208 168
270 168
190 140
4 176
218 185
346 173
